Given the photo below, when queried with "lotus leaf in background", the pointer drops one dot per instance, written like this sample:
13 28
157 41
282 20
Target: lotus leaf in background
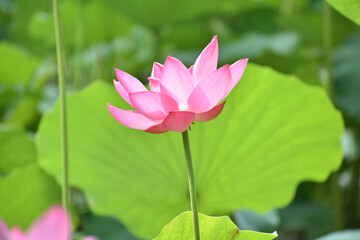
342 235
16 150
349 8
25 194
250 220
314 219
211 228
23 185
94 18
18 105
105 228
156 13
12 56
274 132
346 73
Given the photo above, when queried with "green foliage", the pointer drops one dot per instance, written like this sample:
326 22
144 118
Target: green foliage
211 228
347 77
25 194
7 93
342 235
40 25
17 105
16 65
16 150
249 220
105 228
311 219
26 191
350 8
94 18
21 13
255 44
273 133
24 111
157 12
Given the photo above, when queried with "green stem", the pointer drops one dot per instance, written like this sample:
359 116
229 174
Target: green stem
60 54
354 194
336 190
354 187
192 185
327 47
77 68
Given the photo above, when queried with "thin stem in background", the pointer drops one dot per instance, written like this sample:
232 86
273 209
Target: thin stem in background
60 54
327 45
354 187
192 185
354 194
79 33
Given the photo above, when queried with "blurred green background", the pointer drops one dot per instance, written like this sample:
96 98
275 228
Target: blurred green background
305 38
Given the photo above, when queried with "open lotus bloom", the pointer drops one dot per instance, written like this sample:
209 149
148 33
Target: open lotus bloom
54 225
178 96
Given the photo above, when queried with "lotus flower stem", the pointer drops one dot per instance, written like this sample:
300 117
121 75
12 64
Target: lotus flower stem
192 185
60 54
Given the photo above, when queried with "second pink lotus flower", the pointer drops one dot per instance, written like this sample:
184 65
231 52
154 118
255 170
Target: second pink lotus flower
178 96
53 225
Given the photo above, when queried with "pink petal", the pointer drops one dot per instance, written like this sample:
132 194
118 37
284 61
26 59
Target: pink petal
210 91
156 129
176 81
211 114
191 70
4 232
17 234
156 70
154 84
123 93
237 70
206 63
54 225
128 82
178 121
153 105
131 118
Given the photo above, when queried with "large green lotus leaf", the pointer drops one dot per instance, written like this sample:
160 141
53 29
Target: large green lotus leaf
19 65
25 194
274 132
211 228
16 150
349 8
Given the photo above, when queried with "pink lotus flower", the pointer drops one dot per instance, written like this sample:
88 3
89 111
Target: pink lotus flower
54 225
178 96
